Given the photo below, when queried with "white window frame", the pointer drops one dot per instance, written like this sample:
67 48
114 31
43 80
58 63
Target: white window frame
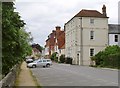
93 52
115 39
92 21
92 35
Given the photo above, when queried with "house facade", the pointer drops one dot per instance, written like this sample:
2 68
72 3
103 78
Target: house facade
85 35
55 43
114 34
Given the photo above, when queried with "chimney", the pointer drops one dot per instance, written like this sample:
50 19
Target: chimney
58 27
104 10
53 31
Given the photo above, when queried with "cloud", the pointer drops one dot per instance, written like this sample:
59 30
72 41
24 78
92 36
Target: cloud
42 16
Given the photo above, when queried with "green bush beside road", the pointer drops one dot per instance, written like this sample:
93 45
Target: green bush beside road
110 57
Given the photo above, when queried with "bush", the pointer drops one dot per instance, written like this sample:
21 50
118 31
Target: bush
62 58
110 57
68 60
54 57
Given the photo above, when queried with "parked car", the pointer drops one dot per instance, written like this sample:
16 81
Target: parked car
40 62
29 60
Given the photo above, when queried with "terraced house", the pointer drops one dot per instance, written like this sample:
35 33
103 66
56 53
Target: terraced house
85 35
55 42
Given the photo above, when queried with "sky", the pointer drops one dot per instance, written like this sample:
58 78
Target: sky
42 16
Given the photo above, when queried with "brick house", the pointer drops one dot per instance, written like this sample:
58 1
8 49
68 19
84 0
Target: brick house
55 42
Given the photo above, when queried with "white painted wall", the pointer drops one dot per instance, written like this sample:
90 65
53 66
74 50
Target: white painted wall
112 39
47 50
72 37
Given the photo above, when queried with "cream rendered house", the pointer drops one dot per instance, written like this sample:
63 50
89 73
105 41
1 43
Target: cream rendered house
85 35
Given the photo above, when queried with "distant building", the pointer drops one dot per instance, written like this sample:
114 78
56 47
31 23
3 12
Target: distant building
55 42
85 35
114 34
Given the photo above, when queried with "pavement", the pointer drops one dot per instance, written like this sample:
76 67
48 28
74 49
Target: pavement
25 78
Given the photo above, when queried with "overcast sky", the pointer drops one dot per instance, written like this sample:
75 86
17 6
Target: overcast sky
41 16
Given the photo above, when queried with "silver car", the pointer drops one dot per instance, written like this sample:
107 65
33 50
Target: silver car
40 62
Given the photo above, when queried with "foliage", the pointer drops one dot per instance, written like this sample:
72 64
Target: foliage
110 57
15 40
68 60
54 57
62 58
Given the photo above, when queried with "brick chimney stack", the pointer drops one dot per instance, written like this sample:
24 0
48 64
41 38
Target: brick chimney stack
104 10
58 31
58 28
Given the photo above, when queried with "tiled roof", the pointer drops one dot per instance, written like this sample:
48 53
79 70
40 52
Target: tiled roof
90 13
114 28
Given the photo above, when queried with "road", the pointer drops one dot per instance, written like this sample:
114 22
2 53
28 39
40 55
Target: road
72 75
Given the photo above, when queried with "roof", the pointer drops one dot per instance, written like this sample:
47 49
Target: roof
114 28
90 13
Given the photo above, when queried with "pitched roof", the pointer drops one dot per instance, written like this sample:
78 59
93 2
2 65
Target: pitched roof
90 13
114 28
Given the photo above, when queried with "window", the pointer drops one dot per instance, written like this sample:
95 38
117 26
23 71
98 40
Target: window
59 50
116 38
92 21
91 34
91 52
44 60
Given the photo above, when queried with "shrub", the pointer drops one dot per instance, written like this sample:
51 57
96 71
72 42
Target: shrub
62 58
54 57
68 60
110 57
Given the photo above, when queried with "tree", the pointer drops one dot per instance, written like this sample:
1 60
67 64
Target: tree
15 40
110 57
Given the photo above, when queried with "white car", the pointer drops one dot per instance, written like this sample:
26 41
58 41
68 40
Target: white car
40 62
29 60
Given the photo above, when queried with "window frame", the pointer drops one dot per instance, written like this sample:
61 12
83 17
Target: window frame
115 38
92 52
92 35
92 21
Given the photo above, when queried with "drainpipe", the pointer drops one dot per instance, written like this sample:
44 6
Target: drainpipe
81 42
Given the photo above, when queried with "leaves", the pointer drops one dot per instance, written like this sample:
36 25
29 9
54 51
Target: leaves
110 57
15 40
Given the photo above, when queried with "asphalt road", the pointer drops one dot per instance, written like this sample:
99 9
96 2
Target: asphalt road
72 75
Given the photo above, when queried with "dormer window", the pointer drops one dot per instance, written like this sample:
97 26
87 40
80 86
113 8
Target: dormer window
91 21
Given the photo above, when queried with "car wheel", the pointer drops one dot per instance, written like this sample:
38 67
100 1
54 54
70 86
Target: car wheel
48 65
34 66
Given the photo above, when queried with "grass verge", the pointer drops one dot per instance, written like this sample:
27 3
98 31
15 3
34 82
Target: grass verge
34 79
17 76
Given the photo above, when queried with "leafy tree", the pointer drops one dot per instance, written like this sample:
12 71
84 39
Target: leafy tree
110 57
15 40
